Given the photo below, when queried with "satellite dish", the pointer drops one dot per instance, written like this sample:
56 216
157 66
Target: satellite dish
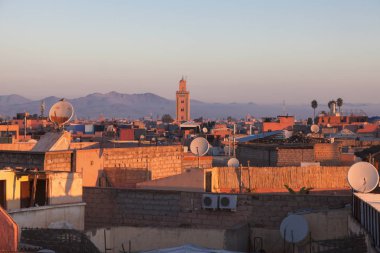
199 146
205 130
61 112
233 162
294 228
363 177
314 129
329 125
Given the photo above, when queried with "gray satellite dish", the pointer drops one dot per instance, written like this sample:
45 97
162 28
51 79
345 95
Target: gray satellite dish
314 129
233 162
61 113
294 228
363 177
199 146
205 130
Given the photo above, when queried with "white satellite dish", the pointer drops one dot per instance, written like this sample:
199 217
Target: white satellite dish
205 130
294 228
314 129
199 146
233 162
363 177
61 112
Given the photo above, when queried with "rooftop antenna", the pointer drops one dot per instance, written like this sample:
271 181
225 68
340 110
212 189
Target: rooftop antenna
283 107
363 177
294 229
61 113
199 147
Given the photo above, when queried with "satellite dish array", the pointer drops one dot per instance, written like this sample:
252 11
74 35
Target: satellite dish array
61 113
362 177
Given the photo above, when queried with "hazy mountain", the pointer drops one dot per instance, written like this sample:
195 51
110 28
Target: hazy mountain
12 100
118 105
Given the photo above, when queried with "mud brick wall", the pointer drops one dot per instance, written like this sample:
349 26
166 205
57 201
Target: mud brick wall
131 207
21 159
327 154
294 157
192 162
225 179
257 156
125 167
58 161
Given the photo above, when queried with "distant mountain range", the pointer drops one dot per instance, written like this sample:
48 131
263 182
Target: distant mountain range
118 105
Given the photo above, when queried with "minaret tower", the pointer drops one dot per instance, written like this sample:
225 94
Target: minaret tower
183 102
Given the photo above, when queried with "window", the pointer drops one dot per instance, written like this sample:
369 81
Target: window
182 110
182 101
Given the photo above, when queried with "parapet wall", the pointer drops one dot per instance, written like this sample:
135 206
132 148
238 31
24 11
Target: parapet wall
226 179
125 167
8 232
132 207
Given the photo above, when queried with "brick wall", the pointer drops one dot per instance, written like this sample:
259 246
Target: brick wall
49 161
8 232
327 154
274 178
192 162
131 207
294 157
21 159
274 155
125 167
58 161
258 156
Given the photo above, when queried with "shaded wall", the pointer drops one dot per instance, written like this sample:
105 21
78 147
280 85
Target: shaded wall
132 207
8 232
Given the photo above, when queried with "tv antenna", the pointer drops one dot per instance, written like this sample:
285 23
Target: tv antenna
61 113
199 147
233 162
363 177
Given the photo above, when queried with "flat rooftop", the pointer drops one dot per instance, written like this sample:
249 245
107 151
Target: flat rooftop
373 199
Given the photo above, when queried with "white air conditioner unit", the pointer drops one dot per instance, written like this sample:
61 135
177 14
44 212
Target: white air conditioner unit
210 201
228 202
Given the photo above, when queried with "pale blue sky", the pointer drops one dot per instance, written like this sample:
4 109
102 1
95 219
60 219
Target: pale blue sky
231 51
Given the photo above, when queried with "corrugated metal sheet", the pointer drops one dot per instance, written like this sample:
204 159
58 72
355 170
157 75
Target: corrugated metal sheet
259 136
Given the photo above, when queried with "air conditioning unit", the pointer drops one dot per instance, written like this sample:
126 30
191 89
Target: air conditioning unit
210 201
228 202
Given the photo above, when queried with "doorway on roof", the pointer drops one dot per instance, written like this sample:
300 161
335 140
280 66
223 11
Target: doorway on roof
3 194
40 195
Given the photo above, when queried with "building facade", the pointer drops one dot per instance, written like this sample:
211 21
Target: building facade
183 102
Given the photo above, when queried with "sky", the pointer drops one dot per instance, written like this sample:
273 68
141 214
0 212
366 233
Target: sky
266 51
